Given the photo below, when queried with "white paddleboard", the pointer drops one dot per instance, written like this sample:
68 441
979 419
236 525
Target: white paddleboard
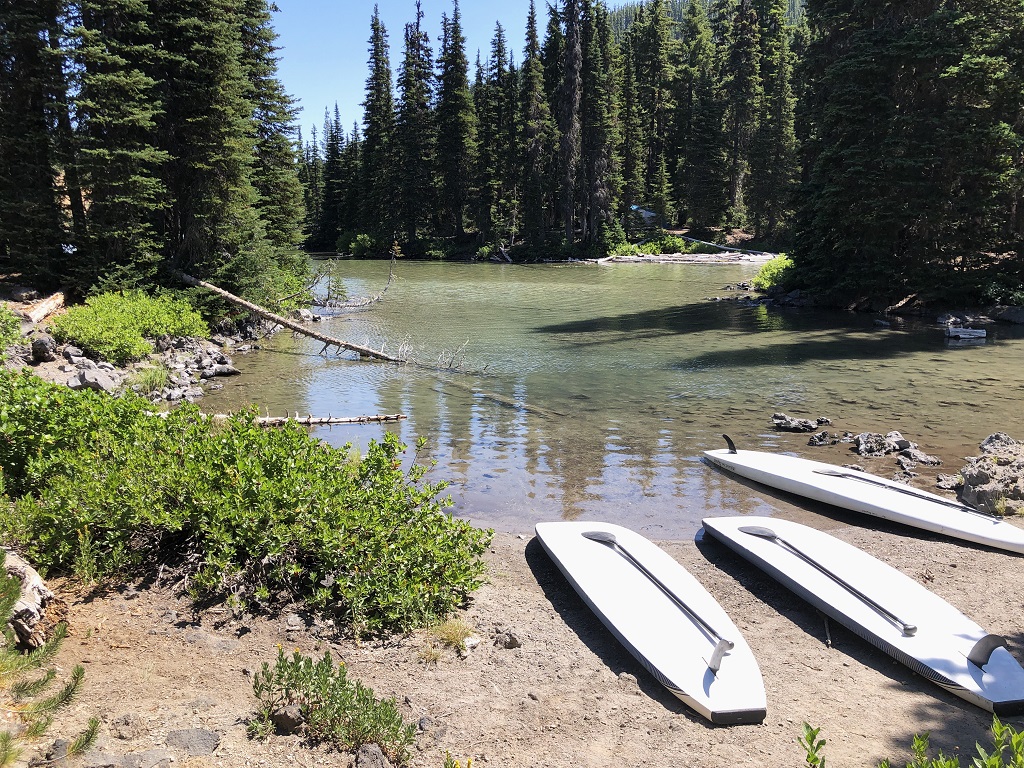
882 605
870 494
662 615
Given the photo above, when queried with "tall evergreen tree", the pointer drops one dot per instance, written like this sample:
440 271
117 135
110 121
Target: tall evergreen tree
537 135
279 195
912 149
742 88
120 166
378 214
31 218
704 169
633 141
598 99
569 125
456 125
334 188
210 227
414 132
773 150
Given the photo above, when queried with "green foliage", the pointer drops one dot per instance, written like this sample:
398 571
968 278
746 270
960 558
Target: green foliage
334 708
19 693
362 245
669 244
626 249
10 329
150 379
812 746
245 511
773 273
451 762
115 326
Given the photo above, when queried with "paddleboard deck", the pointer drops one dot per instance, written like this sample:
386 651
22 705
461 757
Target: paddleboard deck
870 494
882 605
662 615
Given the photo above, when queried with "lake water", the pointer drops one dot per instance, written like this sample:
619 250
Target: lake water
596 388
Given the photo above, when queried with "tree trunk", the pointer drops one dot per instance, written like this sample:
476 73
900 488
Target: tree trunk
291 324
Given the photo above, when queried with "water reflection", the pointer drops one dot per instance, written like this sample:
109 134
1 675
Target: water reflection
600 386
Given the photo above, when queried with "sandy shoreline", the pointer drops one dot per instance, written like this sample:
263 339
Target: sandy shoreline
568 695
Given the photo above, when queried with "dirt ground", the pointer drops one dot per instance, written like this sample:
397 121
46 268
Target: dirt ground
569 695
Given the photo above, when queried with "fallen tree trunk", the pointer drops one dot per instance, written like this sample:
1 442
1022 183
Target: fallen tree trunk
28 611
44 308
291 324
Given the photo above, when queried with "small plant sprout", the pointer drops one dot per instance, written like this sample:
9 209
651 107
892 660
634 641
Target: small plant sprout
812 746
452 633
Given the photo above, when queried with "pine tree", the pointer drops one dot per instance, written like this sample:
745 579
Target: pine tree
537 135
119 164
31 218
311 171
742 89
910 150
633 142
568 112
210 227
334 188
414 132
704 169
456 126
279 194
773 150
598 110
378 139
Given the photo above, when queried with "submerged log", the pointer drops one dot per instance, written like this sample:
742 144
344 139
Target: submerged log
266 314
308 421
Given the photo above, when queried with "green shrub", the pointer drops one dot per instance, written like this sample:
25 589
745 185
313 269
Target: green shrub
362 245
334 708
245 512
150 379
669 244
773 273
115 326
10 329
625 249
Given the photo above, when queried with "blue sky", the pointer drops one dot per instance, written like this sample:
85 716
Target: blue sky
325 44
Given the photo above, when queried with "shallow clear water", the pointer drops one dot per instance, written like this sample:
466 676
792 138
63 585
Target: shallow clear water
598 387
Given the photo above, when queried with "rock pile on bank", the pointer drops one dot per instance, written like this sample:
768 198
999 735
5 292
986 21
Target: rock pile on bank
994 481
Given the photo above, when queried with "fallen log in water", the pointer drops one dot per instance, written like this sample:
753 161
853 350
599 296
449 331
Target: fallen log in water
308 421
328 341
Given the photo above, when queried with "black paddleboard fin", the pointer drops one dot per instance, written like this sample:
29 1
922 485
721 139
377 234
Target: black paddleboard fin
982 650
730 443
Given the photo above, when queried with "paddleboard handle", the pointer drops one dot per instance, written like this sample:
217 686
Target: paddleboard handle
730 443
767 533
982 651
723 645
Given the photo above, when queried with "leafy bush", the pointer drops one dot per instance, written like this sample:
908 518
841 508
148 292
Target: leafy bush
625 249
334 708
244 512
772 273
669 244
114 326
362 245
10 329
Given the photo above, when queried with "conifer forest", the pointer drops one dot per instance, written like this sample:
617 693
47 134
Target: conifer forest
880 144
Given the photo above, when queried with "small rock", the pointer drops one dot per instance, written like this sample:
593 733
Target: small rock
425 723
371 756
791 424
194 741
44 349
151 758
949 482
128 726
287 719
96 380
70 353
920 457
821 438
507 640
101 760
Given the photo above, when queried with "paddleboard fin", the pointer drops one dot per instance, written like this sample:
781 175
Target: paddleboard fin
731 444
720 650
983 649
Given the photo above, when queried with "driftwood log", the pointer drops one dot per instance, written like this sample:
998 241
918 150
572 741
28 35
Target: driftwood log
308 421
28 611
328 341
